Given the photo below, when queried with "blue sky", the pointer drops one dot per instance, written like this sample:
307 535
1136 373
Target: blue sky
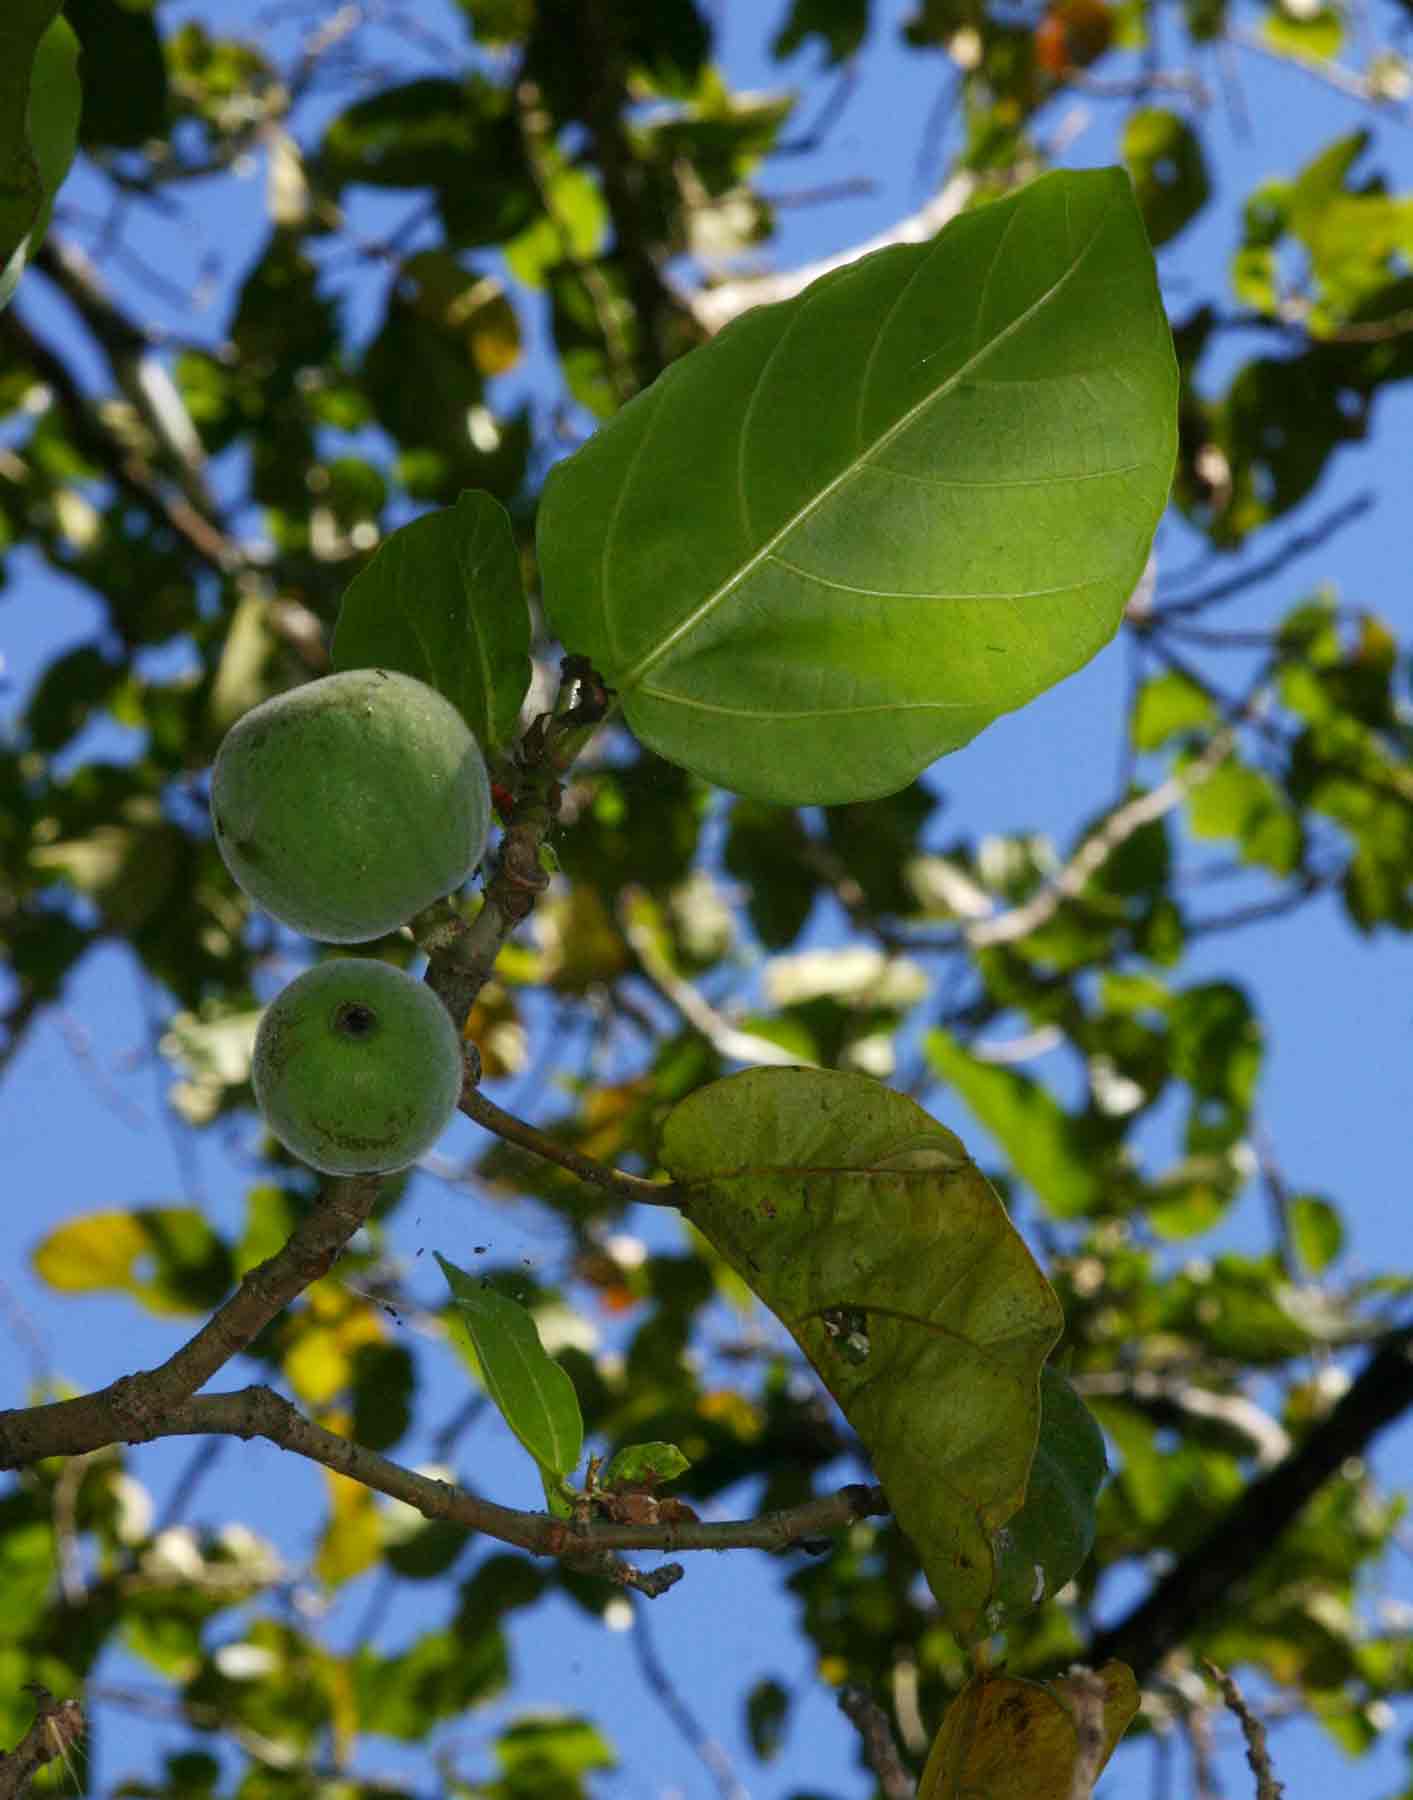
81 1112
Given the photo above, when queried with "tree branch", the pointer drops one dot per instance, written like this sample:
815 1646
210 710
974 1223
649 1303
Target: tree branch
704 1746
261 1412
136 1408
880 1751
1301 543
1258 1756
1096 849
128 471
1201 1580
1085 1688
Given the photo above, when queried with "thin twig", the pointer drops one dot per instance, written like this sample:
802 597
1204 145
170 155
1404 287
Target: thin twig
880 1749
261 1412
1300 544
202 1461
1332 74
704 1747
613 1181
699 1013
1258 1755
1096 849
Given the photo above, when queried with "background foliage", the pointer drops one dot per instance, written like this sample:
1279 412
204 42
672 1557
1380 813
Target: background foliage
484 227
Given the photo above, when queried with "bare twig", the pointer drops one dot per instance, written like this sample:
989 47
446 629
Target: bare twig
1171 1399
1259 911
1381 1393
613 1181
705 1748
1300 544
699 1013
1258 1755
261 1412
200 1464
129 472
880 1750
1332 74
1096 849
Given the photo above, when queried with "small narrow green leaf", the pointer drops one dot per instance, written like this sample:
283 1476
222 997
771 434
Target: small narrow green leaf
867 1229
535 1396
1044 1544
856 527
1041 1141
443 599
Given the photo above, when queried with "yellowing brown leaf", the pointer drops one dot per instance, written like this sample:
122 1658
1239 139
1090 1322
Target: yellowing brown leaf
1003 1738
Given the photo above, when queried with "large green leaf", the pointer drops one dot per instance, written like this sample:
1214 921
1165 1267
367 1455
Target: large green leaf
839 540
1047 1540
443 600
865 1226
40 101
535 1396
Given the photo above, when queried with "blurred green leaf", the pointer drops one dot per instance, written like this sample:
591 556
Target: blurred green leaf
767 1715
1042 1142
1164 157
122 111
840 25
1317 1231
1168 705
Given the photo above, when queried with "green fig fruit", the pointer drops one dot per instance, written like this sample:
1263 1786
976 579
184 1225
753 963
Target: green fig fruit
347 805
357 1067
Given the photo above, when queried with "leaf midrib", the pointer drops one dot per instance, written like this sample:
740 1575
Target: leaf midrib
633 676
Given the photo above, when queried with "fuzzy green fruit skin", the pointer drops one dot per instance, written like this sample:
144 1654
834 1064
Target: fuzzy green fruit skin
357 1067
349 804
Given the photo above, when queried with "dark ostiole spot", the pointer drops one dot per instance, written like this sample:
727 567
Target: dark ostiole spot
355 1020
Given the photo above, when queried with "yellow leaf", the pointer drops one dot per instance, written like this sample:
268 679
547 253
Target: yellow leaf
1003 1738
91 1255
352 1540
